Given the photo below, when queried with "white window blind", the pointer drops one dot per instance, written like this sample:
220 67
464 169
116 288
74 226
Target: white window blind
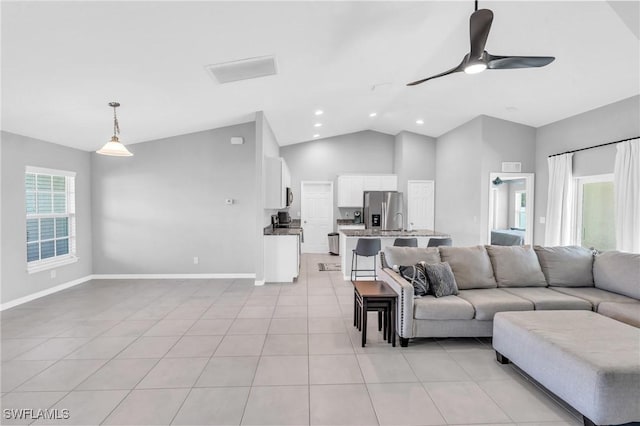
50 214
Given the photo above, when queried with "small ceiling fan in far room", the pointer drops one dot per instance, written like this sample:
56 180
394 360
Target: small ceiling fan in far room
478 59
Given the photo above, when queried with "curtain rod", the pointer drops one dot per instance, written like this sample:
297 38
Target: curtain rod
596 146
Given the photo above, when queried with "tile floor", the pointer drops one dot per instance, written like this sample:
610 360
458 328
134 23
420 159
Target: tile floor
227 352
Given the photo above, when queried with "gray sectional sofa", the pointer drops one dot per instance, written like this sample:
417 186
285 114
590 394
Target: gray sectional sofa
495 279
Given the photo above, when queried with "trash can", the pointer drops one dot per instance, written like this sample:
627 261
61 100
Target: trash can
334 243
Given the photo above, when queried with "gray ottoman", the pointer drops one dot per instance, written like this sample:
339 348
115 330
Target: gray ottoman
590 361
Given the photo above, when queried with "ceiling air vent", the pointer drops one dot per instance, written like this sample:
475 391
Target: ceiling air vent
244 69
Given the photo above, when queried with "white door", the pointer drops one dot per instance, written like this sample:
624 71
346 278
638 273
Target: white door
421 204
316 208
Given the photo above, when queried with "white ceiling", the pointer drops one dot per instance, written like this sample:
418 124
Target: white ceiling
62 62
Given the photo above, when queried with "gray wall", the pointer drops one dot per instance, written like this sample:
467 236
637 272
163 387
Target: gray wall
609 123
157 210
365 152
20 151
465 157
415 159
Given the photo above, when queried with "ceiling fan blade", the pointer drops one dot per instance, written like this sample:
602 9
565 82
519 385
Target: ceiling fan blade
442 74
479 26
512 62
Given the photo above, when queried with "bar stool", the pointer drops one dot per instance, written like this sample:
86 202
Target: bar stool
437 242
365 247
406 242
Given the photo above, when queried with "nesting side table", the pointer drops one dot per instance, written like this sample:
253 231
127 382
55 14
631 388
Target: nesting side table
375 296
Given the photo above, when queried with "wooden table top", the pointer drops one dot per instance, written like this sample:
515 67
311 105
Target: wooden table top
374 289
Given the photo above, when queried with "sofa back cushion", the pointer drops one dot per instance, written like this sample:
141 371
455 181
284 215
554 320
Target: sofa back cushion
618 272
405 256
566 266
470 265
516 266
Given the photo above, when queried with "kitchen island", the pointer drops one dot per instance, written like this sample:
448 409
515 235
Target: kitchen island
349 239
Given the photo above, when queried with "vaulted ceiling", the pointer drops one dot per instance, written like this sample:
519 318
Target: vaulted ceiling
62 62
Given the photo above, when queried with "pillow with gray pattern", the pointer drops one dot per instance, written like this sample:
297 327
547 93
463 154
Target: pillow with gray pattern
441 279
415 274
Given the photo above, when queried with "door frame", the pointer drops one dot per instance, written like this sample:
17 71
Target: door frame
530 188
302 206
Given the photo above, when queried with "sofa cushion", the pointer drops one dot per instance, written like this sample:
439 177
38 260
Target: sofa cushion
516 266
442 308
470 265
416 276
593 295
410 255
618 272
628 313
487 302
441 280
545 299
569 266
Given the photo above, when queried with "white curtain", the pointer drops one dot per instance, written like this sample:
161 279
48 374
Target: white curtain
626 183
559 221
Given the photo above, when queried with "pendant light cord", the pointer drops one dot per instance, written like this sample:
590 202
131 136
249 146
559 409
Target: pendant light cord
116 127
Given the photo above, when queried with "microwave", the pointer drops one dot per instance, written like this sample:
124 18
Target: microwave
289 197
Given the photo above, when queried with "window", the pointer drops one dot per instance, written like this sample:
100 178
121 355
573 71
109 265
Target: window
50 209
595 216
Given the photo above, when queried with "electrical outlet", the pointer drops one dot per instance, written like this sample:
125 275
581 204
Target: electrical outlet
53 273
196 260
346 214
543 219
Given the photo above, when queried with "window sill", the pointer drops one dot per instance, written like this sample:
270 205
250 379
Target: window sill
50 264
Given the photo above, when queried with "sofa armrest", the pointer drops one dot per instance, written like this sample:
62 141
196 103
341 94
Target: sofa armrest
404 323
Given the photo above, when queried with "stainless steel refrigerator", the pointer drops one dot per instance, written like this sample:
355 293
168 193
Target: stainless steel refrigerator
382 210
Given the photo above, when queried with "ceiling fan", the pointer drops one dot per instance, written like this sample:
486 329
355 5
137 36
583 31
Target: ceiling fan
478 59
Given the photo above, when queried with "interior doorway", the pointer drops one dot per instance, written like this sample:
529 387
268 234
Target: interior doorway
420 204
316 211
511 208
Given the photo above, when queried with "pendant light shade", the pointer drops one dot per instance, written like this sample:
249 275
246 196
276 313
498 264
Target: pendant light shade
114 147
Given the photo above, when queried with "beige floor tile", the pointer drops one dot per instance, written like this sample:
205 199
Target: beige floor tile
277 405
435 366
149 347
385 368
213 406
130 328
101 348
286 344
25 401
148 407
11 348
249 326
173 373
464 403
86 407
341 405
55 348
173 327
334 369
118 374
282 370
64 375
403 404
326 325
209 327
330 344
245 345
194 347
16 372
287 326
228 371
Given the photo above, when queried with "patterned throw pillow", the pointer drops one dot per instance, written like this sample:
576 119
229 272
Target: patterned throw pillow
441 279
416 276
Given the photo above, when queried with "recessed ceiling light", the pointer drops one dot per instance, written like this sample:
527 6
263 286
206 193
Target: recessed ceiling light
317 125
316 135
420 121
319 112
373 114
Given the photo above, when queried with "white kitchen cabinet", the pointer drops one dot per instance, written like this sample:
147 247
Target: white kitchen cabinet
351 187
277 180
281 258
350 190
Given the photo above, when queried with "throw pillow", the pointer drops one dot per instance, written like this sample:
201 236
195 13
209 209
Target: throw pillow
416 276
441 279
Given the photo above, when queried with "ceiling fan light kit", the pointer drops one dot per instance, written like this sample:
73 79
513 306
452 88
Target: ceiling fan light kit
478 59
114 147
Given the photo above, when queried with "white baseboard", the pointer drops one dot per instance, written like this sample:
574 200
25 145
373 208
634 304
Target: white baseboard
168 276
39 294
259 282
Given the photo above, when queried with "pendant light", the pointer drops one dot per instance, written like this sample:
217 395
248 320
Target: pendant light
114 147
